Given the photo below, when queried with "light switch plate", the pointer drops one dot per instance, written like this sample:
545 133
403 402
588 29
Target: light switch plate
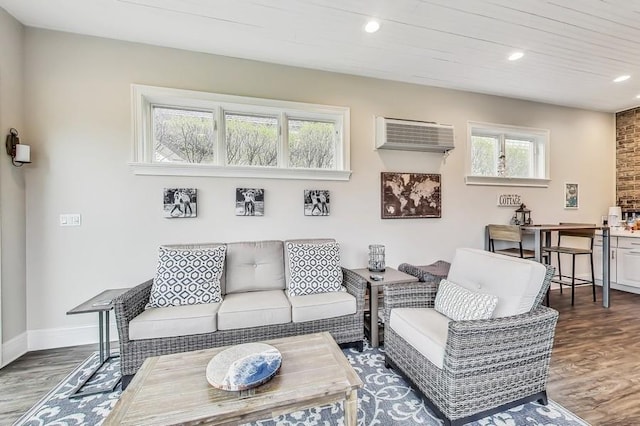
70 219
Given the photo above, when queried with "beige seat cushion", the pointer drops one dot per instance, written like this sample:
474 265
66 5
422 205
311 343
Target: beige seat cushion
174 321
322 305
255 308
516 282
423 328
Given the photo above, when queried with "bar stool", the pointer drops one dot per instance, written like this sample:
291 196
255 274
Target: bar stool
574 251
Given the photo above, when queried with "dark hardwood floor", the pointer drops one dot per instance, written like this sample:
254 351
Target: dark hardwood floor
595 368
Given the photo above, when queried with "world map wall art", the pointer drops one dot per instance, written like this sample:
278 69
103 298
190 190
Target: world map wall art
410 195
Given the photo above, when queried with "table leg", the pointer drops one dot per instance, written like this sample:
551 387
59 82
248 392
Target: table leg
373 309
107 340
538 244
104 352
101 335
487 241
351 408
606 259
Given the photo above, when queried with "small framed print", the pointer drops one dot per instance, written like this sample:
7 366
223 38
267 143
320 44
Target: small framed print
316 202
249 202
571 196
180 202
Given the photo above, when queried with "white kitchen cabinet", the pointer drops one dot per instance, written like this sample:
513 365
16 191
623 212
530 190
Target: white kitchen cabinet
597 259
624 260
628 262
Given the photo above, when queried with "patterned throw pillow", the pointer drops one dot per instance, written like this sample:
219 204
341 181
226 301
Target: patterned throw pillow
460 304
314 268
187 277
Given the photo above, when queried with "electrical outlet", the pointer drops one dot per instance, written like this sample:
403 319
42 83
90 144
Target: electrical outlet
72 219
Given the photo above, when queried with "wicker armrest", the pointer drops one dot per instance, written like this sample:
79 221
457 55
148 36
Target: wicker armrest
427 273
129 305
481 342
409 295
357 286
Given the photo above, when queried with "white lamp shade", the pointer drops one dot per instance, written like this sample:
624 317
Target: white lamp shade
23 153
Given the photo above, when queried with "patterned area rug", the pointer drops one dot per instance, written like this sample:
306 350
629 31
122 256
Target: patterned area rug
386 399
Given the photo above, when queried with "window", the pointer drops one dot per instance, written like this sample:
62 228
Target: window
506 155
181 132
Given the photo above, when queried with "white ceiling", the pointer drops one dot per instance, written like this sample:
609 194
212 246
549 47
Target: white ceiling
573 48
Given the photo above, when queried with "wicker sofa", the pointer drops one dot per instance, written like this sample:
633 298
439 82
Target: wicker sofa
256 306
470 369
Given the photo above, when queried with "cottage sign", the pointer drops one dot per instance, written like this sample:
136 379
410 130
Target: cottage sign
509 200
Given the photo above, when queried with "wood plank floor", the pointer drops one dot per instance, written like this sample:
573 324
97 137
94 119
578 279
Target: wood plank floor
594 368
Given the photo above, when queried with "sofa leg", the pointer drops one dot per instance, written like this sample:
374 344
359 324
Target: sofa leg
357 345
543 400
126 380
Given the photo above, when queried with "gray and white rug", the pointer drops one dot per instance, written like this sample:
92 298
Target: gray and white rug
386 399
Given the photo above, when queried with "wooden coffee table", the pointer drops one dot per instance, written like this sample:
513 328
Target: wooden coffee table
173 389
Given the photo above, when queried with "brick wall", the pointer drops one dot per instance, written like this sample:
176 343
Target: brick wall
628 159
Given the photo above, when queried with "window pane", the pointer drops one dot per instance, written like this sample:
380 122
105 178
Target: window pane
484 155
183 136
252 140
311 144
519 158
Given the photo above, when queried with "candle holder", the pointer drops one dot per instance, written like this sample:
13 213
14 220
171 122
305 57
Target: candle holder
376 258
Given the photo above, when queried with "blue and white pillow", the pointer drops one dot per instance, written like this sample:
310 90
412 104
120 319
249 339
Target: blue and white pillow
314 268
187 277
459 304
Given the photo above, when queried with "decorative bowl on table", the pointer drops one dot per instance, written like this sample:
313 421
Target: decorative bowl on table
243 367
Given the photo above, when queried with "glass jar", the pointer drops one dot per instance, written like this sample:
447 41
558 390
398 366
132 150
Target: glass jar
376 258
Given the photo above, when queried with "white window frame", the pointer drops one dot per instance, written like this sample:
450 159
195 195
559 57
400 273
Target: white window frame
143 98
541 139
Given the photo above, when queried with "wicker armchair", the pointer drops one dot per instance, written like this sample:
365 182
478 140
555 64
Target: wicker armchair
489 365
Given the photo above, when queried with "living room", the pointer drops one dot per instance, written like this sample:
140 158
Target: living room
69 95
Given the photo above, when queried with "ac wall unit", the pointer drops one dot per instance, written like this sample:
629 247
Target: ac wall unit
409 135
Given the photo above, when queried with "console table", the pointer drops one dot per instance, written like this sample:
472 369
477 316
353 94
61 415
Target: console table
389 276
102 304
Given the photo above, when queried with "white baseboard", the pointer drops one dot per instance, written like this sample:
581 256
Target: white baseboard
63 337
14 349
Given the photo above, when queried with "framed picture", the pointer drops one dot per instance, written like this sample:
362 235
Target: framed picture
180 202
410 195
316 202
249 202
571 196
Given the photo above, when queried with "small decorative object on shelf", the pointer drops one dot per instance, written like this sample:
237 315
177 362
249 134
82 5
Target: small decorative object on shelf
376 258
523 216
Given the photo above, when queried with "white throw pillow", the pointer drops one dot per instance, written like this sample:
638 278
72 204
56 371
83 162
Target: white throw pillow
459 304
314 268
187 277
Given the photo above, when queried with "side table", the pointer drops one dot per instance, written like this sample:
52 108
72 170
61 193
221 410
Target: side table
389 276
102 304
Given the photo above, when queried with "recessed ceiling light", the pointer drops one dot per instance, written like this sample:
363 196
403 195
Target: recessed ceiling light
621 78
372 26
638 96
515 56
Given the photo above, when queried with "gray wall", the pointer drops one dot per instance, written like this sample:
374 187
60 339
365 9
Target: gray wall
78 96
12 189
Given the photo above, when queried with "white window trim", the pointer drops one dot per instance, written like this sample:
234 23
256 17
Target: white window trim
142 97
508 181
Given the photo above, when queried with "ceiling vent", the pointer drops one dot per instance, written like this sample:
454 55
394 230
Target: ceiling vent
409 135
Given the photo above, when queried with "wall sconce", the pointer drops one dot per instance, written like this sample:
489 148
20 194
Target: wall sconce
18 152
